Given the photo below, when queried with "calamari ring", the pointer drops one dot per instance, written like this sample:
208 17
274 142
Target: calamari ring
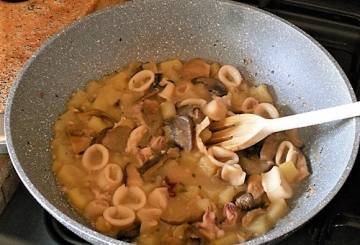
183 89
124 192
110 177
195 102
285 153
135 137
229 76
168 91
220 156
119 215
266 110
95 208
150 216
158 198
275 185
142 81
233 174
215 109
249 105
91 158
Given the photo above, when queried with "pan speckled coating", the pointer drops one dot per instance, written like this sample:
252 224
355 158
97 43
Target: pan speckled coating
266 49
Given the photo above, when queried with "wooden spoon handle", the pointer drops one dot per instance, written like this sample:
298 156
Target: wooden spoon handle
315 117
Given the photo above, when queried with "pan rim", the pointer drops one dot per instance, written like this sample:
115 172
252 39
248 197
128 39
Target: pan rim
95 235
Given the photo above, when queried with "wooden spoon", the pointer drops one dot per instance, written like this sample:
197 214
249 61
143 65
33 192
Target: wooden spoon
244 130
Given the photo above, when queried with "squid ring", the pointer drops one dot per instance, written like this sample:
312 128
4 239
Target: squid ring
266 110
230 76
141 81
168 91
233 174
110 177
134 192
285 153
95 157
119 216
249 105
220 156
215 109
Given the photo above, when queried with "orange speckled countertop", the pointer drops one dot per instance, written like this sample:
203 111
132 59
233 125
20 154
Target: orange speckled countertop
26 25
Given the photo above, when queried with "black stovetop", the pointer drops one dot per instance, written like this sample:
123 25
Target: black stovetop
333 23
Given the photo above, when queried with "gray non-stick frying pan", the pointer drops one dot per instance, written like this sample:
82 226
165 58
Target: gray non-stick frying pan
300 73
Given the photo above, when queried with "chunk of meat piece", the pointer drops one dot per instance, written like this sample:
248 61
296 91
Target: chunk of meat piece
153 116
195 68
116 138
148 113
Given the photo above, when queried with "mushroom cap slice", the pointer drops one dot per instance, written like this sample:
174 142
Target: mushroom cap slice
180 129
214 86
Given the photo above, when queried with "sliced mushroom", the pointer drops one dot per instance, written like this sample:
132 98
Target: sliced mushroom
245 202
86 115
270 145
116 138
179 129
253 198
128 234
255 165
193 112
254 186
79 143
158 78
214 86
195 68
151 93
159 158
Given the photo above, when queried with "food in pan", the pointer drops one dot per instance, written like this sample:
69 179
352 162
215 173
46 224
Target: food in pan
131 155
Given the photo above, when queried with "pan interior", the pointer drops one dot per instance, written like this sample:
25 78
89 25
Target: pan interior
301 76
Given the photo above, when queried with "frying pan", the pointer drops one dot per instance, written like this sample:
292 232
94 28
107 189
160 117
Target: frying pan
301 75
